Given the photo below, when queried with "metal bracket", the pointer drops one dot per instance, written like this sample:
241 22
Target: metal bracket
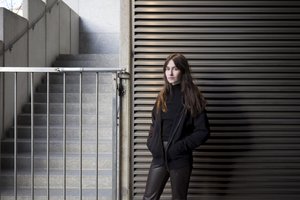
122 75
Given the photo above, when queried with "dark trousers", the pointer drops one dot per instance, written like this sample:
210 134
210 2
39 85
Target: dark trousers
158 177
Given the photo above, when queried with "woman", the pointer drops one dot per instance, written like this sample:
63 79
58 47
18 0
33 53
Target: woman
179 125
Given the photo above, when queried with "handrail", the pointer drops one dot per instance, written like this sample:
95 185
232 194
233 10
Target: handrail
60 69
30 26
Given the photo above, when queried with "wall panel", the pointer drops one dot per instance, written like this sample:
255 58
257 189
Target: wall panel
245 58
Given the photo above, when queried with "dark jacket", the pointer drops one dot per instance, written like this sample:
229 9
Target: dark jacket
187 133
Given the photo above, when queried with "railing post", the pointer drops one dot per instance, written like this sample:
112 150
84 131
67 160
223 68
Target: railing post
64 138
80 128
115 152
15 135
97 133
32 134
48 136
120 92
1 118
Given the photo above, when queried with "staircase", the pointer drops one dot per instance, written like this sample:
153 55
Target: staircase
56 150
88 60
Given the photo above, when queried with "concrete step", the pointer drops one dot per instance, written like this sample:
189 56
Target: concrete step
88 60
73 97
56 179
56 194
87 77
56 161
74 88
56 133
87 56
86 63
55 146
71 120
88 108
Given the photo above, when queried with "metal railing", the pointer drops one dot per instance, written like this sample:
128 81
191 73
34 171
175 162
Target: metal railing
117 74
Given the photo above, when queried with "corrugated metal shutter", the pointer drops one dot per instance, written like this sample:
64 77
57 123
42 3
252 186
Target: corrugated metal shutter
245 58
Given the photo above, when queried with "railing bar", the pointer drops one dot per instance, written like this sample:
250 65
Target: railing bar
2 121
114 144
97 133
64 136
118 110
32 136
88 69
80 126
48 142
15 136
59 69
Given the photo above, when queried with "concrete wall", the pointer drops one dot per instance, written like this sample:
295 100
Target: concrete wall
37 46
36 35
99 25
125 61
52 36
57 32
69 30
1 92
13 26
61 20
74 33
65 31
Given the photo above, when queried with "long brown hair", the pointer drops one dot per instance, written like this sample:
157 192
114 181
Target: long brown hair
194 101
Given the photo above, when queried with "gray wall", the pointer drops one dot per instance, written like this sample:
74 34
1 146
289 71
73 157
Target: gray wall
69 30
37 51
13 26
44 46
99 25
1 92
56 33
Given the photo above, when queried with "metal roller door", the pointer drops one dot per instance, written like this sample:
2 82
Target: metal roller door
245 57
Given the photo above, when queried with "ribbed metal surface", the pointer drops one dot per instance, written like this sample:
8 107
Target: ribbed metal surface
245 58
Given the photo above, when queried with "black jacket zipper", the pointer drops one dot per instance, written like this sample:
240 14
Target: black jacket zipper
166 150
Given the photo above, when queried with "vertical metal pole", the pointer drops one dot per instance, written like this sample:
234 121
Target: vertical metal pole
1 116
48 142
118 110
114 140
97 134
80 128
15 136
32 136
64 136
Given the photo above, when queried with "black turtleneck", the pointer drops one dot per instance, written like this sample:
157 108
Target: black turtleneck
174 105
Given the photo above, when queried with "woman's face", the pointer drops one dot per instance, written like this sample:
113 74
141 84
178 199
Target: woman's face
172 73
